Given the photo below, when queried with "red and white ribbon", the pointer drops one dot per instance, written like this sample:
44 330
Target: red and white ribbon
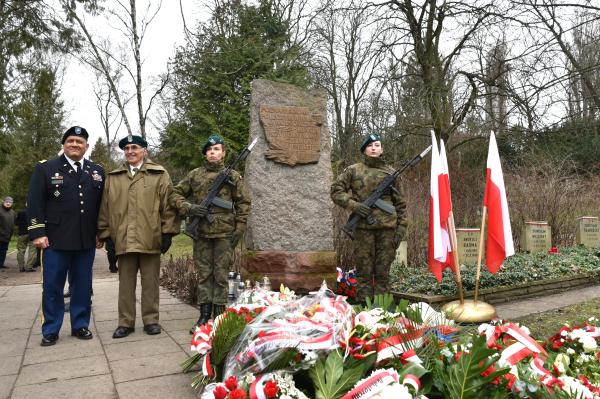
206 368
516 352
395 346
413 381
374 384
202 338
258 385
595 331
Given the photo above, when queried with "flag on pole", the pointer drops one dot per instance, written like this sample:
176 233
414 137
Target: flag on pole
499 244
445 206
439 210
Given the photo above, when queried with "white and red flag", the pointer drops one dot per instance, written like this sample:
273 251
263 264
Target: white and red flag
499 234
440 205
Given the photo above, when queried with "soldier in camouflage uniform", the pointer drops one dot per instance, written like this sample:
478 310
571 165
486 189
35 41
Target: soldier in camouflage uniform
213 251
374 245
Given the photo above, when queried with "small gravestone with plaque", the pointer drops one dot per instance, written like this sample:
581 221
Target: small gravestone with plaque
537 237
588 231
467 240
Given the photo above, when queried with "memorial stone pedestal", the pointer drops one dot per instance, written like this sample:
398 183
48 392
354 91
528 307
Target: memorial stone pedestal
588 231
537 237
290 229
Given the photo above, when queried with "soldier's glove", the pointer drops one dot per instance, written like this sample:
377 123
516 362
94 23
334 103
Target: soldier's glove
165 242
362 210
197 210
236 236
399 235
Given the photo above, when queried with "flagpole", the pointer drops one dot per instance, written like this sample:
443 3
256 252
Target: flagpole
454 244
480 254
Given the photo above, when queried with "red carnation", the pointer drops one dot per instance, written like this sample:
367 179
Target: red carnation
220 392
231 383
271 389
237 394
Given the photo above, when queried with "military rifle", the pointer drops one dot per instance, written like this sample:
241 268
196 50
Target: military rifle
212 198
374 199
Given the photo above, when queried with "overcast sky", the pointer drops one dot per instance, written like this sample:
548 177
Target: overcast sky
163 35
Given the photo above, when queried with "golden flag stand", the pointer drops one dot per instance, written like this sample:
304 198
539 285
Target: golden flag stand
470 310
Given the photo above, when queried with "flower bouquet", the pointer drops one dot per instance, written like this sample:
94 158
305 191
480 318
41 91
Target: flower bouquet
291 335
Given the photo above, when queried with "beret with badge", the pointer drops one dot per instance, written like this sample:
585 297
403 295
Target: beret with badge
370 139
134 139
75 131
213 139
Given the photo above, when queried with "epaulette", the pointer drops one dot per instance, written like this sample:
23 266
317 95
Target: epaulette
42 161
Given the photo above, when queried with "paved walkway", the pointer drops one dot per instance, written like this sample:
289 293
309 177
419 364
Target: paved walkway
139 366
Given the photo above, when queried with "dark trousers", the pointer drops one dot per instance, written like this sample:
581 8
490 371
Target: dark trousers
55 265
3 249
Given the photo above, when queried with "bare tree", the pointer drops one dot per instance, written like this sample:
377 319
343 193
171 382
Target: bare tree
133 29
348 61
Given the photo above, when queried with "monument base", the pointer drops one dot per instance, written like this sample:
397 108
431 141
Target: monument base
300 271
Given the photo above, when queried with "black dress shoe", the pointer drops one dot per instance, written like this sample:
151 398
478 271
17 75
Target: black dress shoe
82 333
49 340
152 329
122 332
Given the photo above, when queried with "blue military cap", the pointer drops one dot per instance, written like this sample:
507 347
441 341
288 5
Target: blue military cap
369 139
213 139
134 139
75 131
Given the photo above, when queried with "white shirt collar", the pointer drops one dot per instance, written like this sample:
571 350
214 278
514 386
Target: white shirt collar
72 162
135 166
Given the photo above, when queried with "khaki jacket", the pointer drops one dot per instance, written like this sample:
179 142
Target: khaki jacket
135 210
194 188
358 181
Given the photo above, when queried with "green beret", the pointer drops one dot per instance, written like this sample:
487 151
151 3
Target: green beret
213 139
75 131
370 138
134 139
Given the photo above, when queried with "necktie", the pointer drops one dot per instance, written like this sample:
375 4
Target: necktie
78 164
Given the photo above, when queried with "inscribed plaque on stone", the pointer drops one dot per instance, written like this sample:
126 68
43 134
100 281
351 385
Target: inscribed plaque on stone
293 134
588 231
537 237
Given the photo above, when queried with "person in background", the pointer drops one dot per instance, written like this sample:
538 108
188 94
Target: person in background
7 225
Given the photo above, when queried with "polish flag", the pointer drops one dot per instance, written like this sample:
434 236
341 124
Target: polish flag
439 242
499 234
445 206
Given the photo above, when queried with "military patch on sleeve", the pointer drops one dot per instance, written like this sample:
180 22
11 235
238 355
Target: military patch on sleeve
33 221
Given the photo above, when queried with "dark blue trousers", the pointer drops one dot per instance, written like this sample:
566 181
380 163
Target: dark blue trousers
55 265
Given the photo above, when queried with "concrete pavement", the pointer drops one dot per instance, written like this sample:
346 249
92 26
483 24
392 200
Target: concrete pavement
138 366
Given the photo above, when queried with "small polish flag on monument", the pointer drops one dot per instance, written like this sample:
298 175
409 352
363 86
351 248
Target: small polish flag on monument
440 205
499 234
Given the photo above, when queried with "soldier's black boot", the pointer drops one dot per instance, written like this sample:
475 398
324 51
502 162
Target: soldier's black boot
205 313
217 310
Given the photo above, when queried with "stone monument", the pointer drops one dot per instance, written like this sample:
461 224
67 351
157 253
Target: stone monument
537 237
588 231
290 228
467 240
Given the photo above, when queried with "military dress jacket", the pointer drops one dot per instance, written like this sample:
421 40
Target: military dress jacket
194 188
63 205
358 181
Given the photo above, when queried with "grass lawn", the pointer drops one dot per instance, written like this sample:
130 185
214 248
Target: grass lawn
181 246
544 325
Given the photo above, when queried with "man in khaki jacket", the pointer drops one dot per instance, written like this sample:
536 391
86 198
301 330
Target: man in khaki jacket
135 214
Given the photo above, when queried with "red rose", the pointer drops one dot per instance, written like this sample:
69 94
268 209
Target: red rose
231 383
237 394
220 392
271 389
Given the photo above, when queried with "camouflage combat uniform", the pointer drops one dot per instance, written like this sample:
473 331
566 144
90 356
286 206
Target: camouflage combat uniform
374 246
213 252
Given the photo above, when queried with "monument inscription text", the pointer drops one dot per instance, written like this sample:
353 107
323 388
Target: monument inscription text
293 134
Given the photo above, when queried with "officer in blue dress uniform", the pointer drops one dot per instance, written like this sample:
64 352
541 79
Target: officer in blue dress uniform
63 203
